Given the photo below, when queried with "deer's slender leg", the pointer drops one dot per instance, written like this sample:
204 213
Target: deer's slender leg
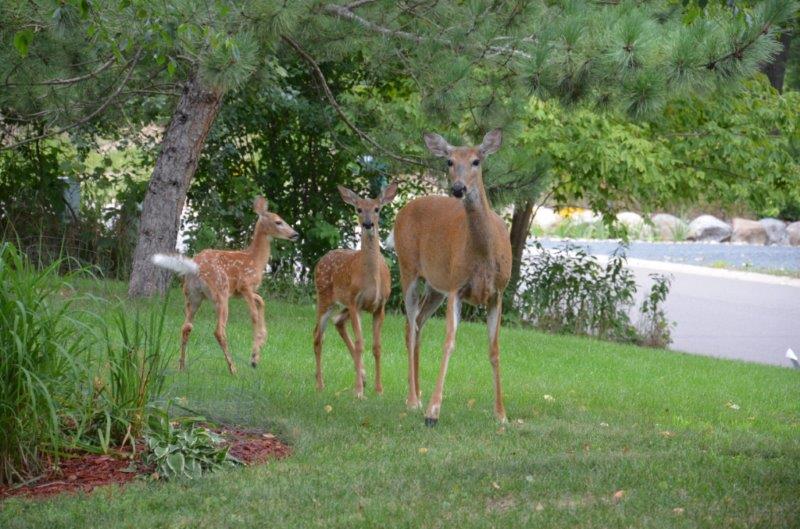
377 323
323 314
340 321
495 311
256 305
431 301
411 299
193 301
355 320
453 314
219 332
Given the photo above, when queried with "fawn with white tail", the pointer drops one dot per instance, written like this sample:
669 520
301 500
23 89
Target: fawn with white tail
358 280
461 248
219 274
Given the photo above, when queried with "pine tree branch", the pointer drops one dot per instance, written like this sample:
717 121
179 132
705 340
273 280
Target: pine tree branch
73 80
345 12
131 66
738 51
332 100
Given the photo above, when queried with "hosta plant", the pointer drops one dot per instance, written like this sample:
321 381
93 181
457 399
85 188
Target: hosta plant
183 449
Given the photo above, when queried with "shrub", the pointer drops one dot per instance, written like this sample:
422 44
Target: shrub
133 380
569 291
40 345
183 449
654 327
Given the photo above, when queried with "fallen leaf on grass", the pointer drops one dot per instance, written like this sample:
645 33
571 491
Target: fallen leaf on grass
549 398
267 436
678 510
539 507
732 405
328 408
423 450
520 421
495 486
529 478
470 403
604 424
668 434
617 497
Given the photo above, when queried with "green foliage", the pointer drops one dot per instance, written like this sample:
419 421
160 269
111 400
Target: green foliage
654 327
568 291
137 363
41 347
285 145
181 449
729 149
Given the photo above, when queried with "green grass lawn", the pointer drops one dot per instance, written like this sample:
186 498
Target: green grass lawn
691 441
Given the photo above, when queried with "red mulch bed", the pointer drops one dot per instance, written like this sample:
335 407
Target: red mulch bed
84 472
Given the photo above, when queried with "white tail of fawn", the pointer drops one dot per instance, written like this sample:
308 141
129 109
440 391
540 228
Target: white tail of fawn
357 280
220 274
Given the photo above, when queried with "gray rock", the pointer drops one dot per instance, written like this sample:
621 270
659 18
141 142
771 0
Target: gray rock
709 228
635 225
669 227
776 231
747 231
793 231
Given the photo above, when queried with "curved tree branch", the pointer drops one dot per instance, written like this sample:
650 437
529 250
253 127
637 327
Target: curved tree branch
332 100
96 112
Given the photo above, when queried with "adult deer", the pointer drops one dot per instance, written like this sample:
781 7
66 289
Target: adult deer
219 274
358 280
461 249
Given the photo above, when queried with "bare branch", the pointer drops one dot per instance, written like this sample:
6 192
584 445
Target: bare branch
332 100
131 66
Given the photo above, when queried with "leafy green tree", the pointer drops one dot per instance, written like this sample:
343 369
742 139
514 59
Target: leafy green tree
470 65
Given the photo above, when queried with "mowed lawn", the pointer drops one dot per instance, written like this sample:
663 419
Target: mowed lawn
682 441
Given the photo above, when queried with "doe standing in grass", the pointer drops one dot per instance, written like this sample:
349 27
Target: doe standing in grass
358 280
220 274
461 249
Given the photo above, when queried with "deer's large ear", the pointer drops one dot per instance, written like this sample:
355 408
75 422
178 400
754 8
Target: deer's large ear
348 196
260 205
388 194
437 145
491 142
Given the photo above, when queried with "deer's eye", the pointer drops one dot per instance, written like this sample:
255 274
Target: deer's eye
476 162
376 210
449 163
278 223
359 210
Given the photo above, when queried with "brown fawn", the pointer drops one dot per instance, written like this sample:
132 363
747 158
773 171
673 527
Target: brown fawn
461 248
220 274
357 280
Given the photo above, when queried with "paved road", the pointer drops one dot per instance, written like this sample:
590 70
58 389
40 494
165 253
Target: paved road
736 315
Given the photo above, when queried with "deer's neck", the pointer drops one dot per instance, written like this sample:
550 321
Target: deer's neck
259 249
371 255
479 222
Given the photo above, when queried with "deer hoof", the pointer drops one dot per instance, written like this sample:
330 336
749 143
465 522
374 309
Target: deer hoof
254 364
430 422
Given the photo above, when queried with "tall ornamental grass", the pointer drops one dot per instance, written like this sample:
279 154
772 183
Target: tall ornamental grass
40 345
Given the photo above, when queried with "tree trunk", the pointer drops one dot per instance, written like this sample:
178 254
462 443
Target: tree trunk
166 194
520 228
776 70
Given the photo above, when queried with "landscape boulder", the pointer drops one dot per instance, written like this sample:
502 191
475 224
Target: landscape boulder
793 231
669 227
747 231
584 216
776 231
708 228
546 218
634 224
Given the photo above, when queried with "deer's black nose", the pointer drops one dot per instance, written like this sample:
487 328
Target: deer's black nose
459 189
367 225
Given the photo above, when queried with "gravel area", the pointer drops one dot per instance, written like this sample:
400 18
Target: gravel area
744 256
